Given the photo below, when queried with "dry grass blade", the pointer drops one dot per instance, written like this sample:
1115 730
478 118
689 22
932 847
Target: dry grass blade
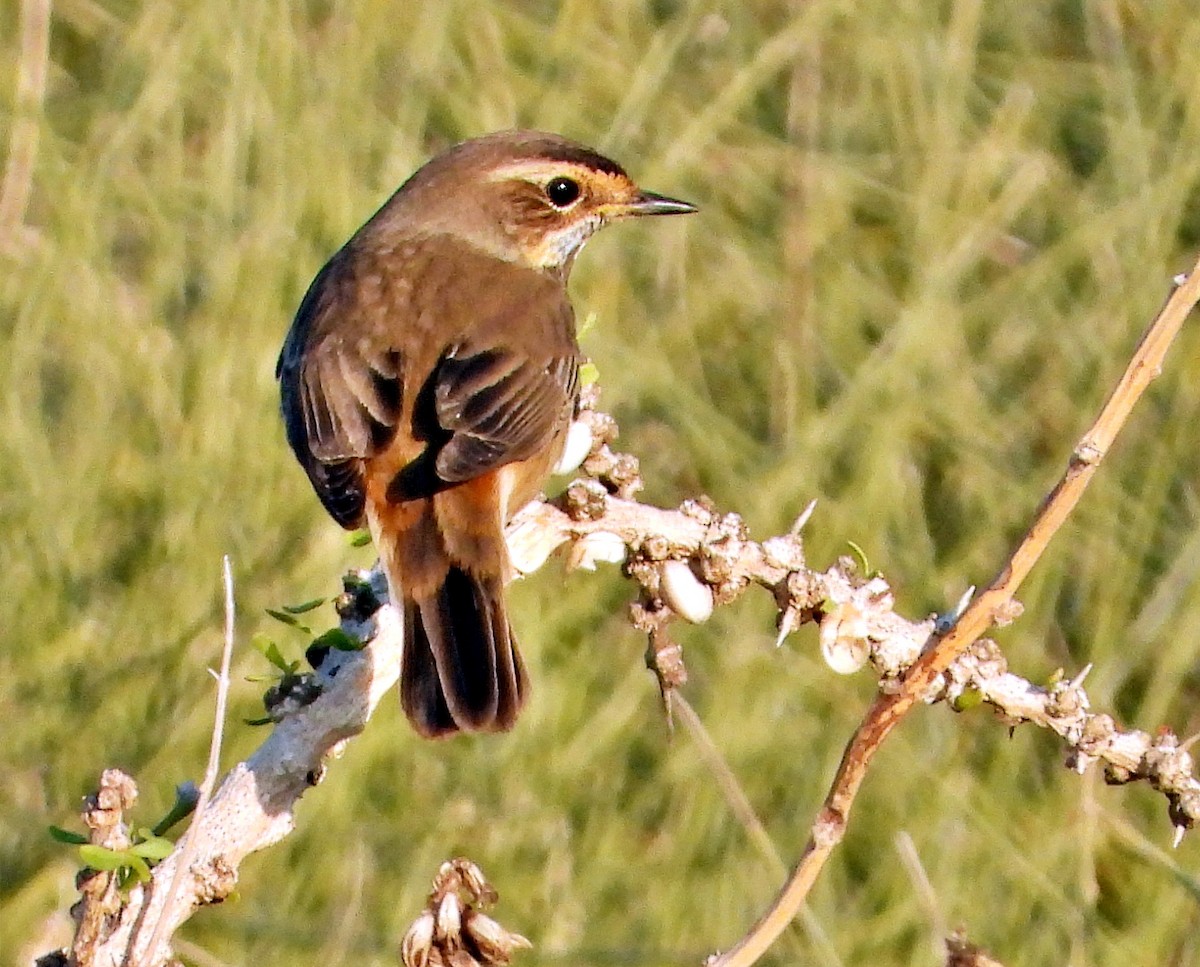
731 789
23 140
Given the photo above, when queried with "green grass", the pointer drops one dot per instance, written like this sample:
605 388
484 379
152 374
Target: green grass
931 235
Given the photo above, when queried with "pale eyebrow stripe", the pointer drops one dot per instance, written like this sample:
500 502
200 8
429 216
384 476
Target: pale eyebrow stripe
537 172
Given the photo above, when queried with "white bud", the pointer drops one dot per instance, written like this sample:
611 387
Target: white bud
577 447
684 593
529 545
843 637
597 547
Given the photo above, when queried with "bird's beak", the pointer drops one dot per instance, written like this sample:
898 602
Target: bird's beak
652 203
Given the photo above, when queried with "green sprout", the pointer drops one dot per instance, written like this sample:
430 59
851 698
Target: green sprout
861 556
147 848
288 682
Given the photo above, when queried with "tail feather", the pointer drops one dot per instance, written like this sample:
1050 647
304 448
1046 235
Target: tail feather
420 688
461 668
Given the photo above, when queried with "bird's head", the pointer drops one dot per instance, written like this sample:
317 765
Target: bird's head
525 197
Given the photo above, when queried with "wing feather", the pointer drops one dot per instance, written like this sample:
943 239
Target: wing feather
500 406
341 402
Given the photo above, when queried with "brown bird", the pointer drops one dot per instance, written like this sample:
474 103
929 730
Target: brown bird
427 384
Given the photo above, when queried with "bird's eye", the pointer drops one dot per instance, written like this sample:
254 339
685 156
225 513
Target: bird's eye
562 191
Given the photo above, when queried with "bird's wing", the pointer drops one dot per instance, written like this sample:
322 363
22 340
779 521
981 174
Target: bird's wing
500 392
340 398
502 405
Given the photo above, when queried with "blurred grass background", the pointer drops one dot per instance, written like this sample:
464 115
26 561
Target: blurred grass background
931 234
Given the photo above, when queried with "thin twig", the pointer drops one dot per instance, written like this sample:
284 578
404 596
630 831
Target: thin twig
889 708
188 853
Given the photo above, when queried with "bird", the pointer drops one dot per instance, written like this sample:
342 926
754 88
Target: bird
426 386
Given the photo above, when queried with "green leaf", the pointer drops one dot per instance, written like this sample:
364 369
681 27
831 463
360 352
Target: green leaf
101 858
270 651
154 848
305 607
60 835
140 868
186 797
337 638
360 538
288 619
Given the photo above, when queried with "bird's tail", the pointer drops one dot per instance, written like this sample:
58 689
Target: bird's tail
460 670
